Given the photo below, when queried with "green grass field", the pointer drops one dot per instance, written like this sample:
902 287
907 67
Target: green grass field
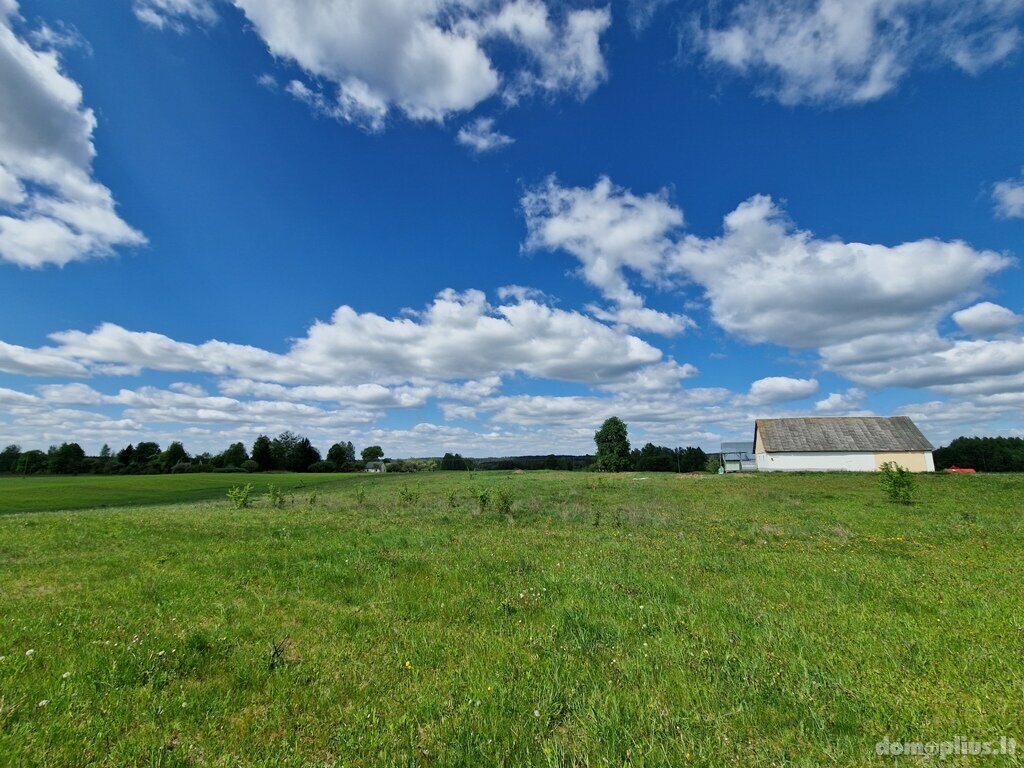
38 494
760 620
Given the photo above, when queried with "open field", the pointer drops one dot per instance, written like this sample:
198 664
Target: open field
37 494
609 620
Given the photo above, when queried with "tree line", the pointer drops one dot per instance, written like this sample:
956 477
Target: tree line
288 452
985 454
614 453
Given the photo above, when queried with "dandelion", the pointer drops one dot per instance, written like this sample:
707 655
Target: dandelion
184 705
536 713
30 651
408 665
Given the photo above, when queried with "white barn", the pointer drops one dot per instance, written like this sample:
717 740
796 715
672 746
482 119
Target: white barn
852 443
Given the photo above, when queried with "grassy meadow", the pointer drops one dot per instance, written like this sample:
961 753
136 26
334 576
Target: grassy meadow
574 620
59 492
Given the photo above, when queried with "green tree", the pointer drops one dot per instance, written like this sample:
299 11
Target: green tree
303 456
175 454
612 445
9 458
235 455
453 462
126 455
147 455
372 453
692 459
66 460
341 454
31 463
262 453
282 448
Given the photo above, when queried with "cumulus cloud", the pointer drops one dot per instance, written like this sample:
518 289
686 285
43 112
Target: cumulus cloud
481 136
610 230
51 209
854 51
1008 196
986 318
871 311
765 280
37 362
841 402
768 281
779 389
427 59
459 337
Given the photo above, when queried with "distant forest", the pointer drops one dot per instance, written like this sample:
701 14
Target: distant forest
984 454
289 452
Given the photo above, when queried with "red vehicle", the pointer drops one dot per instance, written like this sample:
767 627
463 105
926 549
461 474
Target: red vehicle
961 470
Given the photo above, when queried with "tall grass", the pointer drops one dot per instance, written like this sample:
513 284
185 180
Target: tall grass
758 620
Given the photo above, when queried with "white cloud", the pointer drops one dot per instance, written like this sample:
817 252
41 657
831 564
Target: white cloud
940 364
174 14
852 51
459 337
1009 198
37 362
986 318
609 230
871 311
566 59
428 59
481 136
51 209
765 280
779 389
841 402
770 282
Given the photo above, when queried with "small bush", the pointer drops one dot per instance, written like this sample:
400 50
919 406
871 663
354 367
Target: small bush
453 499
240 495
503 501
897 482
483 499
275 496
323 466
407 496
360 496
250 466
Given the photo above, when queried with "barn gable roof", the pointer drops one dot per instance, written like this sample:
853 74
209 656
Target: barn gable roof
849 433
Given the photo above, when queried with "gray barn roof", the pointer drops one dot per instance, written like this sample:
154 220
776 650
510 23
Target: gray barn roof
850 433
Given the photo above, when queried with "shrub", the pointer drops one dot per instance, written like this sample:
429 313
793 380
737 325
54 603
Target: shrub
275 496
503 502
322 466
250 466
483 499
239 495
407 496
897 482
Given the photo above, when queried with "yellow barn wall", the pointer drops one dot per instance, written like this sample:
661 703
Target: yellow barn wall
915 461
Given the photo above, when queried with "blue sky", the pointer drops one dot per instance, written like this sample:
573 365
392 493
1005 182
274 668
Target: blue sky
485 226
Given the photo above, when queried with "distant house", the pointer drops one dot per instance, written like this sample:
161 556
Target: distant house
854 444
376 466
738 457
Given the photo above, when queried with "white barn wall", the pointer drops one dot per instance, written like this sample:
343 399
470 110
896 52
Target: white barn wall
816 462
